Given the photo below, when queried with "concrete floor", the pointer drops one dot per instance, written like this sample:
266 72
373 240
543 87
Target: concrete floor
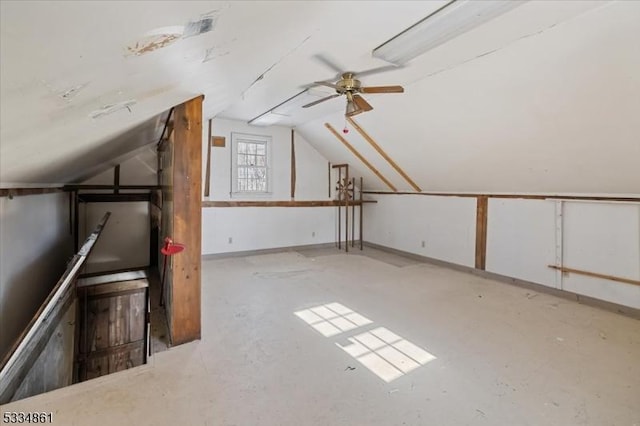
495 354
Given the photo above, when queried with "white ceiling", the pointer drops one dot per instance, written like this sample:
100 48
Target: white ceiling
542 99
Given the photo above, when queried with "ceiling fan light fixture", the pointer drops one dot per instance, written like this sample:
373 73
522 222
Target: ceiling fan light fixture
352 109
446 23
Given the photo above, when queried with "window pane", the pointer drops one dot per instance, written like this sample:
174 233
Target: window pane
261 161
242 159
242 147
262 149
251 148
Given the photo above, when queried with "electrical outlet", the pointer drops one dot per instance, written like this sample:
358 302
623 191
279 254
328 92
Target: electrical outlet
313 234
230 240
422 244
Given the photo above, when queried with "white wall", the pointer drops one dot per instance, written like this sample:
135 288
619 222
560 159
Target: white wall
124 243
255 228
524 236
35 244
447 225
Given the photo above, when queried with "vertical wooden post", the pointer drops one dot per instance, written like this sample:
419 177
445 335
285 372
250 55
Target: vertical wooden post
116 179
361 215
353 213
346 210
207 176
76 222
329 164
185 288
293 166
482 204
339 208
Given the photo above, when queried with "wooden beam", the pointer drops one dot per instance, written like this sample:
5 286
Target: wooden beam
517 196
384 155
185 290
360 157
116 179
482 205
305 203
361 213
114 198
329 179
596 275
74 187
293 165
18 192
207 176
33 339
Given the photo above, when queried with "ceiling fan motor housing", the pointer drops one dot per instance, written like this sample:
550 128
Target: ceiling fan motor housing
348 83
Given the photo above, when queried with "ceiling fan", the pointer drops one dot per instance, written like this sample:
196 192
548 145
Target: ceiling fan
347 84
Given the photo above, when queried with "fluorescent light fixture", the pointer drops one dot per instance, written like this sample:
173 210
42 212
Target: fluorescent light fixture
453 19
285 109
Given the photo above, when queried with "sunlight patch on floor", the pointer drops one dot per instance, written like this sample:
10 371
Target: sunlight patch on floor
383 352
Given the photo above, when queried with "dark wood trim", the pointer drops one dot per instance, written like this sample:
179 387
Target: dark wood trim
185 284
519 196
329 175
114 198
293 165
74 187
76 221
596 275
383 153
298 203
166 126
18 192
360 157
116 179
482 205
361 213
207 175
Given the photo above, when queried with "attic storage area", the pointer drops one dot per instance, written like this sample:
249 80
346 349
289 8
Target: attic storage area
97 318
356 212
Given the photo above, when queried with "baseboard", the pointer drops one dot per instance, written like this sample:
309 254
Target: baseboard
225 255
585 300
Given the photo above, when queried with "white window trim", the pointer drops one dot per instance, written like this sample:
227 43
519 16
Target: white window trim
235 138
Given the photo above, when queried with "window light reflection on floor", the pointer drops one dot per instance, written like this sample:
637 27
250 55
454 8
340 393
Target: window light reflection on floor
383 352
332 319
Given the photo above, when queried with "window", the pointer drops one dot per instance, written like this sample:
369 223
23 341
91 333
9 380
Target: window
250 163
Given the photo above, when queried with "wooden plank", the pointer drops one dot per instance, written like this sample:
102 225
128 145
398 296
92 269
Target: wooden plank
110 187
116 179
359 156
516 196
299 203
18 192
207 176
329 174
384 155
185 315
361 213
102 278
115 198
25 351
482 205
293 165
596 275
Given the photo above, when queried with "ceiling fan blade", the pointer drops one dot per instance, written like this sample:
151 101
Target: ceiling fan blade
361 103
382 89
378 70
335 95
328 62
325 83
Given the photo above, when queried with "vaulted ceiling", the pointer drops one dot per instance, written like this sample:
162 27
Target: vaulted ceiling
542 99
